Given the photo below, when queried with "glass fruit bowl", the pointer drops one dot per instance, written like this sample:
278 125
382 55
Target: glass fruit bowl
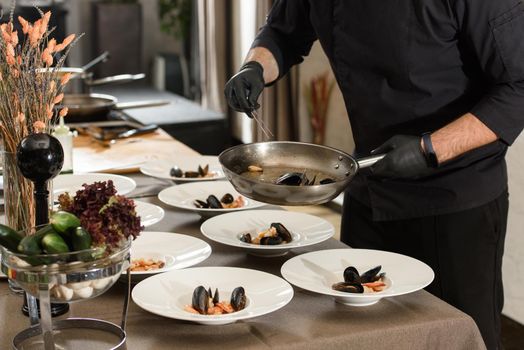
68 277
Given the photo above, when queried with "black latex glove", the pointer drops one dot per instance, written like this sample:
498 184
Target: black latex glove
404 159
244 88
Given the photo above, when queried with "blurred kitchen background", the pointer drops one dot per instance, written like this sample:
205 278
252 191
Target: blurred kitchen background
189 48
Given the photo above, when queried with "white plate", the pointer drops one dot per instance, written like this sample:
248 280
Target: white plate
161 168
73 182
306 229
183 196
167 294
176 250
149 213
317 271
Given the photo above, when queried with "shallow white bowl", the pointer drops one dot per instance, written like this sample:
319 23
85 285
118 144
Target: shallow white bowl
149 213
318 271
184 195
177 251
160 168
73 182
167 294
306 229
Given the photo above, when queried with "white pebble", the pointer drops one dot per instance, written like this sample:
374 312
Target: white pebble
84 293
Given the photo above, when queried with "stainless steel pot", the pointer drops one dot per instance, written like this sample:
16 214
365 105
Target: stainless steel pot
332 162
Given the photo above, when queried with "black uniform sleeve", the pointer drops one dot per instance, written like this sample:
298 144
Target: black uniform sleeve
288 33
494 30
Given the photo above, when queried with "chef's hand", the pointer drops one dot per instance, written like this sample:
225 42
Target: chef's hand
405 159
244 88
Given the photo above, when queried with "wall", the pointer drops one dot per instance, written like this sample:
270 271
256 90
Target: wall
513 265
154 40
338 130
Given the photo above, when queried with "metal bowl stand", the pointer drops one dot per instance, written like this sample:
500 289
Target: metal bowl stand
75 323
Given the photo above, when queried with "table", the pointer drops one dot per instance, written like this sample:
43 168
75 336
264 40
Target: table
310 321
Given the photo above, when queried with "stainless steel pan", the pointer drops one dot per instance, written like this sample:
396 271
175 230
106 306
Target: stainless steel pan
92 105
294 155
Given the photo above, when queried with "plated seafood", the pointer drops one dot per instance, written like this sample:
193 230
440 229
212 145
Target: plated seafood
288 176
146 264
370 281
200 173
226 202
204 302
274 235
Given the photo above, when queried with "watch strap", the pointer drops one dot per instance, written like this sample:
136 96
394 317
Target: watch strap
429 151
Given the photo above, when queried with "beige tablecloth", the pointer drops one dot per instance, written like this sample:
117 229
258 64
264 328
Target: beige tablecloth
309 321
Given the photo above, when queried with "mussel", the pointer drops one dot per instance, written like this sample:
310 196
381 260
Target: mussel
203 171
326 181
238 298
351 275
227 198
213 202
176 172
291 179
246 237
348 287
191 174
200 300
371 275
200 204
276 240
282 232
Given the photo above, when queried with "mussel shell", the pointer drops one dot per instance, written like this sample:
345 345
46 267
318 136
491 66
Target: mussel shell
348 287
238 298
245 237
290 179
216 298
271 240
213 202
200 300
200 204
176 172
351 275
326 181
370 275
191 174
203 171
282 232
227 198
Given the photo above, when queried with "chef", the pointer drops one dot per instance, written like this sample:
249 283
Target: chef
437 86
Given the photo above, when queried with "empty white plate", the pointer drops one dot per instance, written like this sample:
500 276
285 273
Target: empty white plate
304 228
318 271
183 196
169 293
73 182
161 168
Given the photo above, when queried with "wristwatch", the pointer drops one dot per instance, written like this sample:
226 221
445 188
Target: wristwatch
429 152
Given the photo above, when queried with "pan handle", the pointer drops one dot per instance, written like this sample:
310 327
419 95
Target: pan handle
141 104
117 79
369 161
102 58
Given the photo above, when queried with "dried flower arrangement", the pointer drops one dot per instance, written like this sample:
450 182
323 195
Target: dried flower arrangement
31 87
317 95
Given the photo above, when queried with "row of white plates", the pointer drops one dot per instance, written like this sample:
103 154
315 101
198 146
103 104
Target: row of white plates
170 290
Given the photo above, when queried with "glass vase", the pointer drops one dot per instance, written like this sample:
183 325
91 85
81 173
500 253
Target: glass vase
19 203
19 207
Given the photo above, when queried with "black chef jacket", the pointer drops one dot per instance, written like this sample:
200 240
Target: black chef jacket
409 67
